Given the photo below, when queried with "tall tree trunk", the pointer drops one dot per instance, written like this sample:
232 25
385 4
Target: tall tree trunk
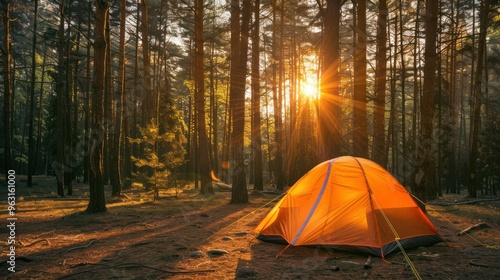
453 106
425 175
73 136
378 152
31 141
126 101
138 94
416 79
392 136
214 147
24 119
278 136
108 110
256 133
280 103
360 141
330 103
7 105
148 101
238 73
116 184
403 91
204 158
97 201
86 159
68 151
226 142
40 114
476 100
58 166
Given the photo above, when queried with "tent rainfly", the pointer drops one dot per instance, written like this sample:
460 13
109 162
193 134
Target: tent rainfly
348 203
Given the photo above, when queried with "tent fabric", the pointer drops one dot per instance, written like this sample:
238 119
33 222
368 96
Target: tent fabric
349 203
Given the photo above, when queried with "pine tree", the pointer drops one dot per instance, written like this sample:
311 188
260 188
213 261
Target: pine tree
162 153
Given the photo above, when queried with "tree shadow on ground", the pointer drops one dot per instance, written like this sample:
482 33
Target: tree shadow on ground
129 241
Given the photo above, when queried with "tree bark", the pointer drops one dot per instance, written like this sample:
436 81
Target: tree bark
148 101
31 141
476 100
403 92
88 89
378 152
256 132
97 201
40 113
116 184
425 174
7 105
329 103
204 158
59 165
238 73
416 78
453 106
360 137
277 169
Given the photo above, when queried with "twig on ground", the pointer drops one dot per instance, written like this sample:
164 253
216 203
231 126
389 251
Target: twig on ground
350 262
471 228
125 195
82 247
34 242
400 263
45 233
145 225
463 202
368 263
478 264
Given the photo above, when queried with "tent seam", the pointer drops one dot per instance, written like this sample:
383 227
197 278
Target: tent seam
315 204
377 228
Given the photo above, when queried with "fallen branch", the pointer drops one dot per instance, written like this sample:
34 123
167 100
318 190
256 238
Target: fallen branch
463 202
128 197
45 233
350 262
471 228
34 242
368 263
400 263
478 264
82 247
424 254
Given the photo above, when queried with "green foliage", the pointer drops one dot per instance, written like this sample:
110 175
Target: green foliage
156 164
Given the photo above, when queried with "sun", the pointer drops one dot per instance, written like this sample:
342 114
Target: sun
309 89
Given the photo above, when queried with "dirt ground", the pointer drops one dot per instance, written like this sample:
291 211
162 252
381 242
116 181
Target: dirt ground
170 238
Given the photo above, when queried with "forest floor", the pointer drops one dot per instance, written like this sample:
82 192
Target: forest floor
138 238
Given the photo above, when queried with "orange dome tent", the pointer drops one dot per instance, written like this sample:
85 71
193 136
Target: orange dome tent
348 203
